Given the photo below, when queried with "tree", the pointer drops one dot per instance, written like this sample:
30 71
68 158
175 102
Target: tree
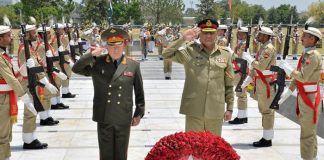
316 10
190 12
163 11
282 14
206 10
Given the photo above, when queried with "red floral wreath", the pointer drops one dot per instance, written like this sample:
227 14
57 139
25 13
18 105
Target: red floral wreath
201 145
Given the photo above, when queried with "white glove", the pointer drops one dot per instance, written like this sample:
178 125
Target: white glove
28 101
61 75
72 42
248 57
23 70
48 85
61 49
77 57
71 63
284 65
247 81
287 92
79 40
30 63
230 49
49 53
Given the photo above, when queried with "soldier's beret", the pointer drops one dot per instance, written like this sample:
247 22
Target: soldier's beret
222 27
114 35
30 27
314 31
243 29
266 31
208 25
4 29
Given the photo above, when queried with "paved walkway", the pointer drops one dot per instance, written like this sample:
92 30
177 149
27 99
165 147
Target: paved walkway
75 138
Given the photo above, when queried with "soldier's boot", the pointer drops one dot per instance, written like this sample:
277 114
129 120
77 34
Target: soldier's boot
49 122
262 143
278 57
68 95
35 144
59 106
295 57
239 121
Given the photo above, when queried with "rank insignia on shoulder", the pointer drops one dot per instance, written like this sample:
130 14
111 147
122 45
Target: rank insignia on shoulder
128 74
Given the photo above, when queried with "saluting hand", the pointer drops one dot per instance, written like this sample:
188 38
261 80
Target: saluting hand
136 120
191 34
227 116
96 51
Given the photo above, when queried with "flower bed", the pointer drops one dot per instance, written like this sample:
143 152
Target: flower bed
200 145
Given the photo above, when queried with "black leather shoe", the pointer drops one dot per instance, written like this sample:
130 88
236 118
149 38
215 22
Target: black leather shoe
278 58
63 106
36 144
68 95
167 78
161 58
238 121
49 122
58 106
262 143
294 58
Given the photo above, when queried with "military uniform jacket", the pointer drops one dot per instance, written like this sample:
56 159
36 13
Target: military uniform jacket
221 41
113 89
209 79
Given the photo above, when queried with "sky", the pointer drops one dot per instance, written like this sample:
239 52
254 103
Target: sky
302 5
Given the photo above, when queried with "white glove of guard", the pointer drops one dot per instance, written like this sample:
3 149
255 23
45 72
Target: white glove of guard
48 85
28 101
71 63
72 42
287 92
230 49
61 49
247 81
284 65
49 53
77 57
23 70
60 75
30 63
248 57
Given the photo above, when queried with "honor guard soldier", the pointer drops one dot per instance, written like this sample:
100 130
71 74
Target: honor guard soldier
255 44
262 76
279 41
129 46
209 78
67 67
45 116
114 76
306 79
221 39
159 42
10 87
295 42
241 118
29 123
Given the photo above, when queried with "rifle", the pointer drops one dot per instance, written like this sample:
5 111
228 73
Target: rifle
287 41
61 54
243 63
31 72
80 44
49 60
229 35
72 47
280 81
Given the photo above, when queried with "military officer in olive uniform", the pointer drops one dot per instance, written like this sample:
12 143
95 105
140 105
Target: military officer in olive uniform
241 118
209 78
114 77
262 75
306 79
221 39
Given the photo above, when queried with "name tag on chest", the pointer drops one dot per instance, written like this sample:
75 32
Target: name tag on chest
128 74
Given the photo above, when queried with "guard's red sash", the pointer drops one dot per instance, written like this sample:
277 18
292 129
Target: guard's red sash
307 100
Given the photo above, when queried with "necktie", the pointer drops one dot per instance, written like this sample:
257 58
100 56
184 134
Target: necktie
115 64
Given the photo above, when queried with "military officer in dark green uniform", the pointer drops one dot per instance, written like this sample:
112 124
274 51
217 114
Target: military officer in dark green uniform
114 77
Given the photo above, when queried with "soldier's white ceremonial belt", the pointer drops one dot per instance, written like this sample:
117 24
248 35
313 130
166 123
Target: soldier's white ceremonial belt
5 87
267 72
310 88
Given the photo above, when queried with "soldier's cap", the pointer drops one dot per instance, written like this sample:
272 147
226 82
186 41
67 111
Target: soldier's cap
222 27
314 31
208 25
4 29
40 29
114 36
243 29
68 25
58 26
266 31
30 27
